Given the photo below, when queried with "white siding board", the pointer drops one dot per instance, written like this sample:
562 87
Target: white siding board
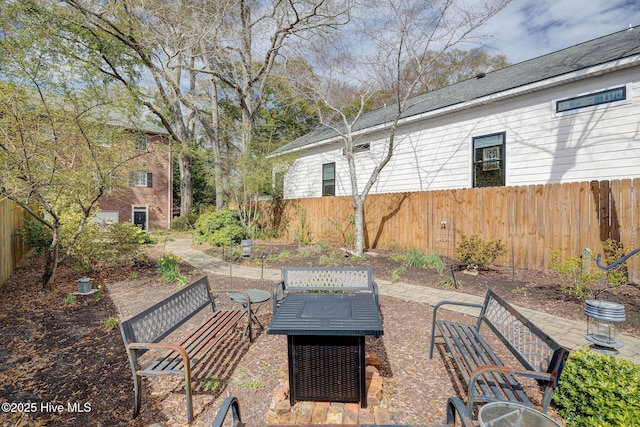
598 143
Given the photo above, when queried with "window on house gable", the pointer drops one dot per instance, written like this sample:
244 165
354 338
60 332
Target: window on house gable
488 160
329 179
598 98
358 148
141 142
141 179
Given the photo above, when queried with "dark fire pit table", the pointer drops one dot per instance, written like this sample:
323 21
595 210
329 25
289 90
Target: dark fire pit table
325 337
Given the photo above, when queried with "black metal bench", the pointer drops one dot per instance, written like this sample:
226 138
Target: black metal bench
301 279
484 373
145 331
455 410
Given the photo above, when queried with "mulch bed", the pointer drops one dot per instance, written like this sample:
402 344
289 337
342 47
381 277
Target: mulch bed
59 366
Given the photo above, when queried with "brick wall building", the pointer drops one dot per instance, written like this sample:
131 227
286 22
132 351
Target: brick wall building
146 197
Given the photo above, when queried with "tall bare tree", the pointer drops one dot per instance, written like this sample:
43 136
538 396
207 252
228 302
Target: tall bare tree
153 34
231 43
389 37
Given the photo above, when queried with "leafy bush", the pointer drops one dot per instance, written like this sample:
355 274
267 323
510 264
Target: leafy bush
582 278
475 252
109 245
36 235
578 277
186 222
598 390
613 251
219 227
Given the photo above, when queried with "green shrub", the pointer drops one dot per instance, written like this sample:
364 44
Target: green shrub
583 278
109 245
219 227
578 278
36 235
613 251
598 390
186 222
475 252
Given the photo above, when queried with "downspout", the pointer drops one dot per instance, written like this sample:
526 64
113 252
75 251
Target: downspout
170 186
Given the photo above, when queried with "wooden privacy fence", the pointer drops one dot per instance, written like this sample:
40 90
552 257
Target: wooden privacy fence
530 220
12 219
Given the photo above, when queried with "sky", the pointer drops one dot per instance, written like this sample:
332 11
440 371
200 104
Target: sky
527 29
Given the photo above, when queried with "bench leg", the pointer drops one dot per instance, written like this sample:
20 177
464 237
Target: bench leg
456 409
187 380
137 391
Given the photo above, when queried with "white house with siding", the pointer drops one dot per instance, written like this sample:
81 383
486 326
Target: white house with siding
572 115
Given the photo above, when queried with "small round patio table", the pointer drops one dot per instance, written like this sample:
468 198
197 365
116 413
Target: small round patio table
508 414
257 297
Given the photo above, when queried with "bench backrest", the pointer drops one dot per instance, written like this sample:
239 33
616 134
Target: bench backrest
159 320
329 279
336 279
326 279
533 348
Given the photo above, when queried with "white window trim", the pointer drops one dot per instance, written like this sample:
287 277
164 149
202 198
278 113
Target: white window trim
135 177
141 142
358 148
140 208
591 108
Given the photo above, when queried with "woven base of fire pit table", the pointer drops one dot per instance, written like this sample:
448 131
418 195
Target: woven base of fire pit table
327 368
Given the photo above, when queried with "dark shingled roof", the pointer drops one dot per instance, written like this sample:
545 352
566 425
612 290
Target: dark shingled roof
602 50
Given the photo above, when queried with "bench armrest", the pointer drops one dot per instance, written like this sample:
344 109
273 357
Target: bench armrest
374 290
230 403
457 410
161 346
481 370
278 285
435 312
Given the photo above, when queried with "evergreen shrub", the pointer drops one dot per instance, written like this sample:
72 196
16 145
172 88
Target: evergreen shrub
597 390
219 227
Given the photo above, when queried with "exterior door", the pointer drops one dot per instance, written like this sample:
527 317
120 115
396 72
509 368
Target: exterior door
140 215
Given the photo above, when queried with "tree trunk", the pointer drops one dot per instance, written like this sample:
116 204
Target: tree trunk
358 223
215 146
186 183
50 263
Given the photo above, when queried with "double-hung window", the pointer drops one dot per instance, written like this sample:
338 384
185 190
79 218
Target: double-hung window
141 179
329 179
141 142
488 160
